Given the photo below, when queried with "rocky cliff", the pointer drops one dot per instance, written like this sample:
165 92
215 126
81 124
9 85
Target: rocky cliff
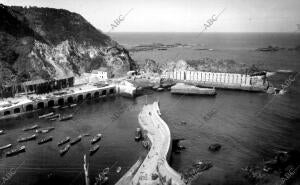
43 43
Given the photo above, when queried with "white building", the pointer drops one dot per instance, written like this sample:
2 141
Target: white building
102 73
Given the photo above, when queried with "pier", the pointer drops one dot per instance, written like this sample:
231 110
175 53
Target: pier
155 168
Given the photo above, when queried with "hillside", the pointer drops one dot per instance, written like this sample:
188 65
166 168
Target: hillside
43 43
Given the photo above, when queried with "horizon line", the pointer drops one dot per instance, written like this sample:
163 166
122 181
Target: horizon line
295 32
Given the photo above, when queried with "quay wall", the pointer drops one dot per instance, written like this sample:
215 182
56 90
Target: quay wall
155 168
48 101
219 80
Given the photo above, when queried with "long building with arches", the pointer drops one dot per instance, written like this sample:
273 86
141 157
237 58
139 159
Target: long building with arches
11 107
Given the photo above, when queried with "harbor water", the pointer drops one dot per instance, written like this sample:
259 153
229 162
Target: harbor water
249 126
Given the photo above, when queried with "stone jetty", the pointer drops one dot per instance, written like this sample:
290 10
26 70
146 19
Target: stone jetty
155 168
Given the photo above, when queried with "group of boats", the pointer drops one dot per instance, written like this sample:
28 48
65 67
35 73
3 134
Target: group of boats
94 148
53 117
77 139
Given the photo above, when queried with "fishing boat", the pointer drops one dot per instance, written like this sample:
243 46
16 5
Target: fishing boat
64 107
45 140
53 116
56 107
46 115
76 140
33 127
85 135
5 146
96 138
64 141
1 132
73 105
118 170
15 151
65 118
65 150
138 134
94 149
44 130
23 139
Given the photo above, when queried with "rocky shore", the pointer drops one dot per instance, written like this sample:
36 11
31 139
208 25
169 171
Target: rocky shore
45 43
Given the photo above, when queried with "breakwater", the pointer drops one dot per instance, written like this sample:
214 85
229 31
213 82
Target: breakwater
219 80
155 168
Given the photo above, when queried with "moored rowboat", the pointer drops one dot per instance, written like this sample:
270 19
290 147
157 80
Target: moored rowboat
46 115
23 139
15 151
64 141
5 146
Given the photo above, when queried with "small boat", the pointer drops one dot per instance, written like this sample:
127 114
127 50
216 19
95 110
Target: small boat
73 105
65 118
94 149
1 132
64 141
160 89
45 140
46 115
118 170
64 107
5 146
86 135
44 130
15 151
65 149
53 116
56 107
96 138
23 139
33 127
53 119
76 140
138 134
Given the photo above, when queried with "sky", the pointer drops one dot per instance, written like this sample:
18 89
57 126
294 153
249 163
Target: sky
181 15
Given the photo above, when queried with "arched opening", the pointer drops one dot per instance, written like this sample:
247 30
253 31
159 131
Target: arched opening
7 113
111 91
88 96
17 110
40 105
29 107
51 103
96 94
103 92
80 98
70 99
61 101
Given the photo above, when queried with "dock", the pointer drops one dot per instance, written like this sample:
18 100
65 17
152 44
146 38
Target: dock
155 168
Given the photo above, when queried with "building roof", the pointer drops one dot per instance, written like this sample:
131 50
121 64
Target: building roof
34 82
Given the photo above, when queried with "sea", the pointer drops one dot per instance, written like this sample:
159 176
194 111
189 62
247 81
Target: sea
251 127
